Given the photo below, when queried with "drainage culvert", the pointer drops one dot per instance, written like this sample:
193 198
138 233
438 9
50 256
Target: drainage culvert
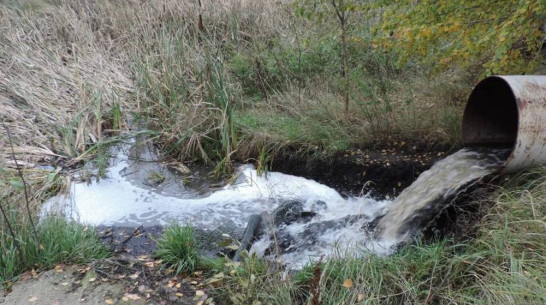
508 111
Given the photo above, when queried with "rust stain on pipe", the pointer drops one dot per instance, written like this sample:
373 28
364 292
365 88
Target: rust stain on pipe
509 111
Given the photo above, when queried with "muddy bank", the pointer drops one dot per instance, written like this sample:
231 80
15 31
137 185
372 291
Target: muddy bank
382 173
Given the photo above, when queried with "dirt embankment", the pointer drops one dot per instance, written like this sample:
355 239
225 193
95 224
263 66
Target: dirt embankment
383 172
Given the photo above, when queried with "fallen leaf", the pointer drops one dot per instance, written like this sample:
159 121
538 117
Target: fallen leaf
233 247
198 273
149 264
233 264
92 279
59 268
213 281
125 299
348 283
33 299
132 296
64 284
178 285
109 301
199 293
134 276
178 294
170 284
360 297
84 270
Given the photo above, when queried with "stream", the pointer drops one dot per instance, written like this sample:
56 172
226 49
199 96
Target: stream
302 219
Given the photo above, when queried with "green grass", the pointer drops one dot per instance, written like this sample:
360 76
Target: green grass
178 249
216 94
61 242
57 240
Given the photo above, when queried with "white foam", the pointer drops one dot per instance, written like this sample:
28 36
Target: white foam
115 200
118 200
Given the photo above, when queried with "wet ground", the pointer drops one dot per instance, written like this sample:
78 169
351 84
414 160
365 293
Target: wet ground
133 241
381 173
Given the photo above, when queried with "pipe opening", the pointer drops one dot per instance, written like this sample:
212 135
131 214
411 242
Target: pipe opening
491 115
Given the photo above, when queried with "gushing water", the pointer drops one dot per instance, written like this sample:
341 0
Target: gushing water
433 188
402 217
306 219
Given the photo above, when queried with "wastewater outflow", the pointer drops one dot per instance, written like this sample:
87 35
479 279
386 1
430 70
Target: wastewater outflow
303 219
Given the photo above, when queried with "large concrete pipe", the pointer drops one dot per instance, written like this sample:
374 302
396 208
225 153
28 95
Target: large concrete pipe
509 111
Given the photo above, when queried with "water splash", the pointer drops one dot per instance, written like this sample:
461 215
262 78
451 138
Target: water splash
433 188
397 220
333 226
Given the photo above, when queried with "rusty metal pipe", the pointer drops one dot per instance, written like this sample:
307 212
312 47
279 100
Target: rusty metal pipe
509 111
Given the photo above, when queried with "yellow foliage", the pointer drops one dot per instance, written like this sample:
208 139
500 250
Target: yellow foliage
501 36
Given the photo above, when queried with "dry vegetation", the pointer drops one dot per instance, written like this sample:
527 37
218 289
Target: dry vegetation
221 80
239 79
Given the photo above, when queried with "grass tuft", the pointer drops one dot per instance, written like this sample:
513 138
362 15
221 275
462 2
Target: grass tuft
178 249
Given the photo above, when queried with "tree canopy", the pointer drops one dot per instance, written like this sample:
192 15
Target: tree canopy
499 36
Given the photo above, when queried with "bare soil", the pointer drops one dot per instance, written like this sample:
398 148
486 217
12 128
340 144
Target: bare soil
380 172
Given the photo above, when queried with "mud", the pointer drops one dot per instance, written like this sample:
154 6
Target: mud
383 173
142 240
134 241
60 287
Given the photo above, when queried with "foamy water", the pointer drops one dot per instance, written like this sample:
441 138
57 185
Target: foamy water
338 225
120 200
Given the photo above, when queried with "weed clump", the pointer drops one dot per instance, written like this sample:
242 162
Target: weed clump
178 249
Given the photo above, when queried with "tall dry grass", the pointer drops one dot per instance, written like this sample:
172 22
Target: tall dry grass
58 77
219 80
66 64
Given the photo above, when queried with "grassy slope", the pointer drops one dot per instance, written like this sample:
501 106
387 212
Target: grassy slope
242 84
